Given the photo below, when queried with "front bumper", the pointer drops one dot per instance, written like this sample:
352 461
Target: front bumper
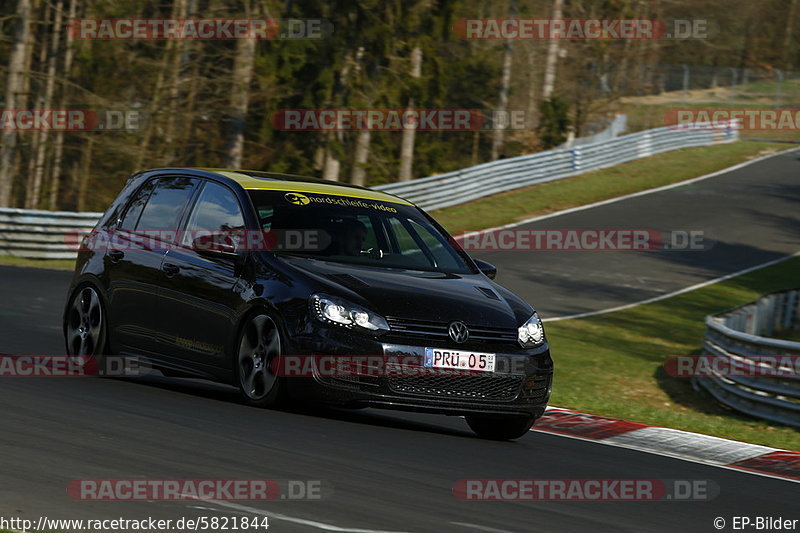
520 384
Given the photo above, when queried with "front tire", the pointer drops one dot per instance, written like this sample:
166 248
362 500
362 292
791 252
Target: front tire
85 331
258 347
500 427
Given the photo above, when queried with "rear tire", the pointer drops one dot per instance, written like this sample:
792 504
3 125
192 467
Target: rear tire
258 346
500 427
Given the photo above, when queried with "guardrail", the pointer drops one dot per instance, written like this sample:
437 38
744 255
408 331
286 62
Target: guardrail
53 234
43 234
743 332
465 185
614 129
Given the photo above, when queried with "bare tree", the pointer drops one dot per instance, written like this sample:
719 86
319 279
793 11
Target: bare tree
787 35
177 80
552 56
38 172
407 142
505 84
30 184
358 173
55 180
498 135
240 97
14 80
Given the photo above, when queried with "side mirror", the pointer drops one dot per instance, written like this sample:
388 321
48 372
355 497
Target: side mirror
487 268
215 245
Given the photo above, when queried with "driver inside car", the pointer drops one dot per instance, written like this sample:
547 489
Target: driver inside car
352 235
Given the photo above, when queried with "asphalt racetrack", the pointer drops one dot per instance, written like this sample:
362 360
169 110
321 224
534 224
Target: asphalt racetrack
387 471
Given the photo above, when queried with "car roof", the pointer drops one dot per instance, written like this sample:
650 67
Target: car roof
254 180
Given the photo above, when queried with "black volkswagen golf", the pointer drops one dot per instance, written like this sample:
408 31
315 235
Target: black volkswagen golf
247 277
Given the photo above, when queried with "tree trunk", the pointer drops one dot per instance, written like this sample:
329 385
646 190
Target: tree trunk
156 100
531 108
552 56
55 180
16 64
30 184
332 167
177 80
476 144
498 135
55 43
787 36
407 142
83 177
358 175
240 96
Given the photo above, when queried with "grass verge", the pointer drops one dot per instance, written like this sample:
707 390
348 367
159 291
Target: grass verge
612 364
635 176
61 264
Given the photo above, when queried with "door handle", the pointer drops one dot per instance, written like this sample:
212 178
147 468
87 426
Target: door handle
170 269
116 255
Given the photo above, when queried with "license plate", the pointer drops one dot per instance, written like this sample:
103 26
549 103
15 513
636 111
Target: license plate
458 360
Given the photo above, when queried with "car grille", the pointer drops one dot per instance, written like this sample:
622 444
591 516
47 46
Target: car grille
438 330
489 387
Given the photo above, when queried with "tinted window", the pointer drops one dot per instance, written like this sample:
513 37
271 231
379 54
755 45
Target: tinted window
165 207
217 209
137 204
357 230
437 246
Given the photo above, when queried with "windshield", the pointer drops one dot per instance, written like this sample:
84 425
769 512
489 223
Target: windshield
353 230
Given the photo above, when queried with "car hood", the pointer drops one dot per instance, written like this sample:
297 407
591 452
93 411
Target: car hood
471 298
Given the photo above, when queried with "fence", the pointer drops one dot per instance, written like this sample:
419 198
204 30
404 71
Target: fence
52 234
744 332
42 234
460 186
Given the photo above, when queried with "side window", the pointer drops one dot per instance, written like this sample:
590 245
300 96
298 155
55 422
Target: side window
136 206
217 209
444 258
165 206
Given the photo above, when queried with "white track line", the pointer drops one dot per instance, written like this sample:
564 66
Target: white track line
285 518
674 293
640 193
481 528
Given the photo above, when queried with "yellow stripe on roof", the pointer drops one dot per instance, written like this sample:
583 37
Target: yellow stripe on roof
256 184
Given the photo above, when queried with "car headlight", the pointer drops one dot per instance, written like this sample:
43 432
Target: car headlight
531 333
339 311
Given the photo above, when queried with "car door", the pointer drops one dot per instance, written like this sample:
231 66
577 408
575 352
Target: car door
200 294
134 258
